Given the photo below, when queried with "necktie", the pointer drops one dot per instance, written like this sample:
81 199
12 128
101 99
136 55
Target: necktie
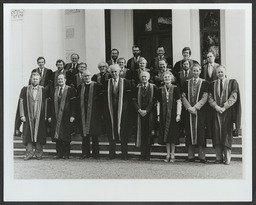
115 86
61 92
34 93
194 83
40 71
186 73
221 87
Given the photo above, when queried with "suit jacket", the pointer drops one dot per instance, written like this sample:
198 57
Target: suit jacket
205 74
127 74
182 78
110 62
154 63
132 65
101 78
68 67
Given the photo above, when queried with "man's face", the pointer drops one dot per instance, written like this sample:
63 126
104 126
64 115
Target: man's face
210 58
144 78
82 68
102 68
221 73
196 72
186 54
87 78
167 79
121 63
160 51
136 51
186 65
61 80
35 80
74 59
115 73
162 66
142 64
41 63
114 54
60 66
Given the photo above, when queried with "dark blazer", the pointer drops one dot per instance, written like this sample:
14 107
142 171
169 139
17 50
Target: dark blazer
132 65
205 74
109 62
154 63
68 67
127 74
182 78
101 78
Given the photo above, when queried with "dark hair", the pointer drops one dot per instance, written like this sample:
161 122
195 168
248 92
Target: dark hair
39 58
114 49
186 49
74 54
135 46
60 61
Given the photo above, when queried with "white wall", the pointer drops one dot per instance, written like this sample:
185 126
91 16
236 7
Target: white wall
122 32
94 38
185 32
233 47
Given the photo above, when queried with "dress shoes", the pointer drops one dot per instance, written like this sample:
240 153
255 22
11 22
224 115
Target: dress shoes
27 158
204 161
218 162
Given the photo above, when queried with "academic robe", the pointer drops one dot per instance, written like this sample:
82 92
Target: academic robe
205 73
195 96
154 63
178 66
34 129
101 77
123 109
90 108
222 124
145 100
61 126
168 127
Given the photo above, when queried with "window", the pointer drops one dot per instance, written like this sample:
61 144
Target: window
210 34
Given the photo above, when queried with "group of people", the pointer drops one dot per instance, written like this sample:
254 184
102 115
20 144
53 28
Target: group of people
155 99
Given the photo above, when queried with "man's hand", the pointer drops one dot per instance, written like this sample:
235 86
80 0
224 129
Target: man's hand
49 119
23 119
72 119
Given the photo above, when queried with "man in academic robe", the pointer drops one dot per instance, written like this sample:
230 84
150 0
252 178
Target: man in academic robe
117 95
60 64
186 53
158 78
89 104
114 57
209 73
73 66
224 98
194 97
61 116
209 70
103 75
75 80
132 63
45 73
154 63
124 72
31 113
142 67
144 101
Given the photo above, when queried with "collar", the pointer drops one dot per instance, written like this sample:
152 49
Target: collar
62 87
195 79
117 79
88 83
144 85
35 88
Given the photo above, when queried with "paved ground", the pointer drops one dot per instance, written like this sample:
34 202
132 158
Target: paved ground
50 168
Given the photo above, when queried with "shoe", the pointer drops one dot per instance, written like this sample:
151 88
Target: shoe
167 159
39 158
204 161
218 162
66 157
27 158
227 163
141 158
190 159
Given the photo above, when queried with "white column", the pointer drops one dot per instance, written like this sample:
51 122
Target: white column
94 38
122 32
185 33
